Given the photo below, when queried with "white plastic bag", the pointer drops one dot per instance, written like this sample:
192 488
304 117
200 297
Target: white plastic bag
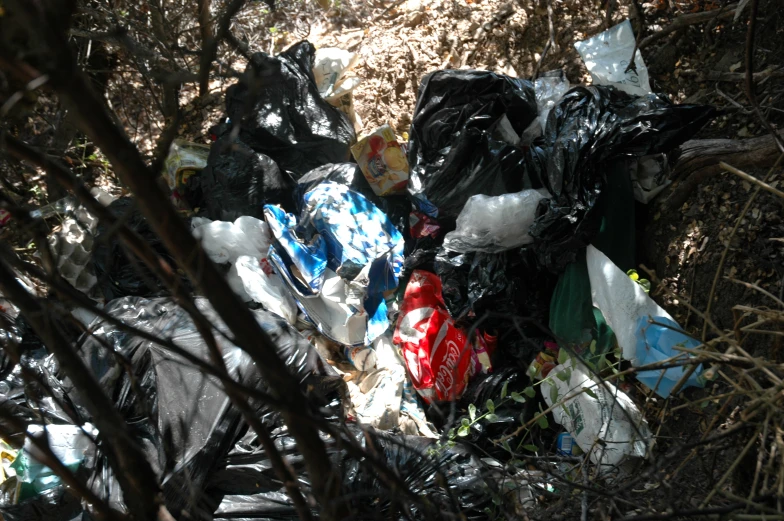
331 68
621 300
607 56
265 288
493 224
224 242
603 421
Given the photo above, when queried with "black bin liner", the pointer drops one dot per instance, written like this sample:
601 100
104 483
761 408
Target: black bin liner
119 272
177 414
587 128
457 148
281 113
246 487
238 181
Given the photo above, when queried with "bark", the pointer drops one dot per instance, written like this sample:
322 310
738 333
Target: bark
700 158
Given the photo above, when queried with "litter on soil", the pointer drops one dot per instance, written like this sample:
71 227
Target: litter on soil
388 285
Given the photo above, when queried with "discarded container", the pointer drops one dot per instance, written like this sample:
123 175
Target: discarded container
604 422
70 444
550 87
438 355
607 55
185 159
382 161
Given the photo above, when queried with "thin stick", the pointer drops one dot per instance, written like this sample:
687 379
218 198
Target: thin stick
751 179
550 42
727 246
730 470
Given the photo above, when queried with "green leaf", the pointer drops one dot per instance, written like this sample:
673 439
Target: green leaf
463 430
592 348
92 157
563 375
506 446
492 417
704 404
532 448
472 411
490 405
542 422
553 394
496 499
529 392
563 356
518 397
466 422
522 418
504 389
590 393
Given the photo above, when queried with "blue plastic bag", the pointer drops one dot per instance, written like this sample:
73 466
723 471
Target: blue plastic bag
342 231
656 339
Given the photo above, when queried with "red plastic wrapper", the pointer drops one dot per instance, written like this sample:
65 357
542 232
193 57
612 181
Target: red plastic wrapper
422 226
438 355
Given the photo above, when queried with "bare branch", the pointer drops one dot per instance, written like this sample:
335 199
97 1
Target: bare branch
728 11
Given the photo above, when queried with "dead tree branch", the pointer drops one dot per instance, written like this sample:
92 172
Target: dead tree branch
686 20
211 45
750 87
700 158
94 120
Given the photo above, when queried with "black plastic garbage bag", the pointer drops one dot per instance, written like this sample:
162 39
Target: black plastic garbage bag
176 412
238 181
120 273
463 139
586 129
246 487
281 113
507 283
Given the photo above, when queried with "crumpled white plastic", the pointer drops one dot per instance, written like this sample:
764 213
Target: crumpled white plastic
603 421
495 223
607 56
621 300
225 242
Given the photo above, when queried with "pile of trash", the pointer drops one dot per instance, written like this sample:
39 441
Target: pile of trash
440 294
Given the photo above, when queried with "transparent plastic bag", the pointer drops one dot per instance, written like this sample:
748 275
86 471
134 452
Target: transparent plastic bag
607 56
494 224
